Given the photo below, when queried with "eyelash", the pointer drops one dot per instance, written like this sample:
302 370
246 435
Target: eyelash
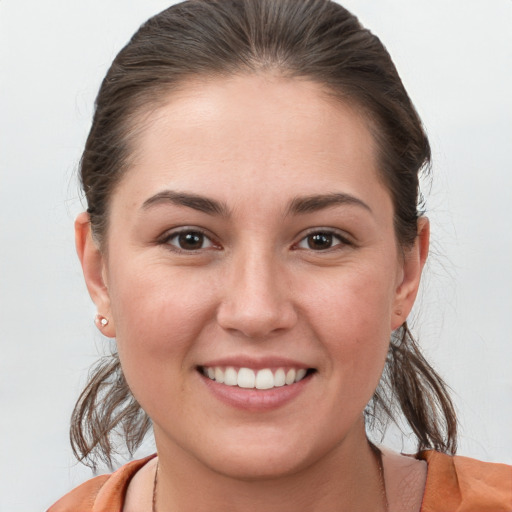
169 236
330 235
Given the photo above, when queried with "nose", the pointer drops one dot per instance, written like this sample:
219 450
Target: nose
256 298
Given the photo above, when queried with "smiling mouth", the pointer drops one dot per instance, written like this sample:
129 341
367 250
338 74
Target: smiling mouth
248 378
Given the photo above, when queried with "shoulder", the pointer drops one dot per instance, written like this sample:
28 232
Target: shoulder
81 498
102 493
456 483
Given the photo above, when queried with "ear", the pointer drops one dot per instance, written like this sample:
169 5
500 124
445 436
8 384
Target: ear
414 261
94 269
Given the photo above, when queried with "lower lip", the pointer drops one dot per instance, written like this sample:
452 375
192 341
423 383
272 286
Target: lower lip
256 399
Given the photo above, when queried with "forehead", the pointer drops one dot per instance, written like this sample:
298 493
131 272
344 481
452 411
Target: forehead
258 130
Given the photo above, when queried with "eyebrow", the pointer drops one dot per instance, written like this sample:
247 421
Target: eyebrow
313 203
196 202
298 205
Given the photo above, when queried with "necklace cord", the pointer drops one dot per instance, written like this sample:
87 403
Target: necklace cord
153 503
378 457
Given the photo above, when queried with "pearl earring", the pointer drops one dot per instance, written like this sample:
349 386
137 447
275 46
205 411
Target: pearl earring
101 320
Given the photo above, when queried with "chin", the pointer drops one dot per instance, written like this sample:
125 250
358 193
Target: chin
264 459
257 467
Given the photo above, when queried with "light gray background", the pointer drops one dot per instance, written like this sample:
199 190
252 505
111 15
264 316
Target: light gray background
455 58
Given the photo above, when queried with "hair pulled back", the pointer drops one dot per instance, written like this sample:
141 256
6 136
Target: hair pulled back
317 40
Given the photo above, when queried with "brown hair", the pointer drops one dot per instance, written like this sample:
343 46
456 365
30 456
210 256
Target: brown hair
314 39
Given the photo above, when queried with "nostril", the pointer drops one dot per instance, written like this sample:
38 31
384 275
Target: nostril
257 319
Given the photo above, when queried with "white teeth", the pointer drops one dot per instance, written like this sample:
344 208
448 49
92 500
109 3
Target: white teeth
250 379
230 377
246 378
279 378
290 377
265 379
219 375
300 374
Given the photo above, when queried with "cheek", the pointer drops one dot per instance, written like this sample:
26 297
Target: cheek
159 305
351 314
158 316
355 299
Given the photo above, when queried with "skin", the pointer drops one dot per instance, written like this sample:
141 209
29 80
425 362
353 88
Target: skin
256 288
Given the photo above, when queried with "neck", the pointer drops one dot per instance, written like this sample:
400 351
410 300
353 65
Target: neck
346 479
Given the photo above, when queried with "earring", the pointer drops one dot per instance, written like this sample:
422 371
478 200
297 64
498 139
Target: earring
101 321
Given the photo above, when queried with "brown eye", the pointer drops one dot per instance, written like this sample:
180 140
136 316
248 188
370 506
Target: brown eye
321 241
190 241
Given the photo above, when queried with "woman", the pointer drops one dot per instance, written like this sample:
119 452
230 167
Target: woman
253 243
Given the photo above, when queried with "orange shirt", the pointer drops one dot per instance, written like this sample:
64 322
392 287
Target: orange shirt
454 484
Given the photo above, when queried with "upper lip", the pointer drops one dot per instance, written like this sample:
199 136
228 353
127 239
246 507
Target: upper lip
255 363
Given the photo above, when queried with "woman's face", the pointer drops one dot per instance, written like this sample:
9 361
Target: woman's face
252 241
